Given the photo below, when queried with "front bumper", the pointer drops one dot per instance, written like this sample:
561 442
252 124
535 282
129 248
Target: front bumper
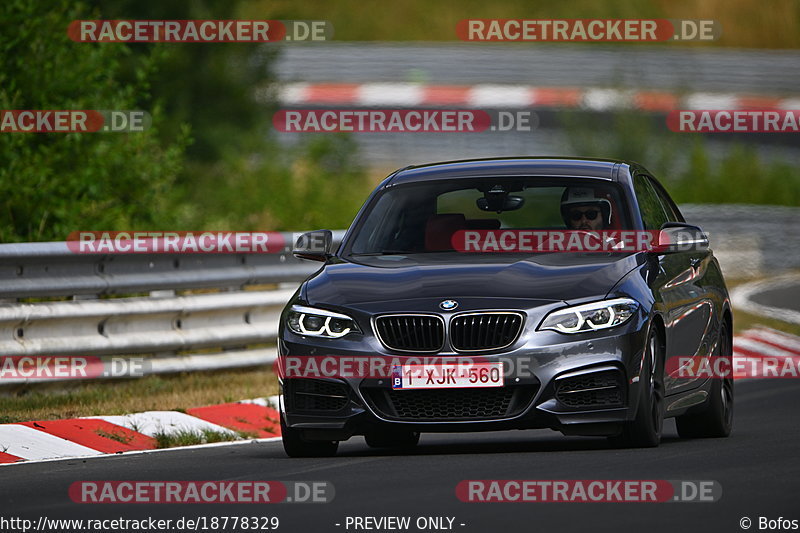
585 384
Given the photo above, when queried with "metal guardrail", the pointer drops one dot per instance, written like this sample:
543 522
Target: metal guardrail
237 326
51 269
102 312
141 325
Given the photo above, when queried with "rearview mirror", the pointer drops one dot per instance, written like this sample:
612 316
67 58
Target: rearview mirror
314 245
680 237
500 203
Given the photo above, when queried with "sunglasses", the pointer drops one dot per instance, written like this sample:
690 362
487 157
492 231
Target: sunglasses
590 215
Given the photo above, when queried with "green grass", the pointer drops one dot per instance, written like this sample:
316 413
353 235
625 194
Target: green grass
176 392
319 185
117 436
190 438
743 321
193 437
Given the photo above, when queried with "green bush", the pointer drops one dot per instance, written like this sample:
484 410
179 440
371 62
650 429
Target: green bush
683 162
230 175
208 86
55 183
314 185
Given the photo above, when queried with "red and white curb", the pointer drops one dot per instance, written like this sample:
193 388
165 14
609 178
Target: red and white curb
758 343
505 96
103 435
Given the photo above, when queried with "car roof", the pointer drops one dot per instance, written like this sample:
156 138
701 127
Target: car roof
605 169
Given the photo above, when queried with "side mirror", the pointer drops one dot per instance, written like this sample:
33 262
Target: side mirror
680 237
314 245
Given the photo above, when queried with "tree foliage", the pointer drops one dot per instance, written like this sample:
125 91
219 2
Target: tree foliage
55 183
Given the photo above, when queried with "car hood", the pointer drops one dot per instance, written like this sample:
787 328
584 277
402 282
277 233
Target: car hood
549 277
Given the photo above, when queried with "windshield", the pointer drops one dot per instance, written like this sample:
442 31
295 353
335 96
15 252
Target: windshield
423 217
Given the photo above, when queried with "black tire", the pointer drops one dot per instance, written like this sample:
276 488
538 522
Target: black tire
399 440
644 431
296 446
716 420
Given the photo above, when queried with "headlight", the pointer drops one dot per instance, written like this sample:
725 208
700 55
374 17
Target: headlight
590 317
319 322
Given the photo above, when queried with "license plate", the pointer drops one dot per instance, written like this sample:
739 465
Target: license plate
450 376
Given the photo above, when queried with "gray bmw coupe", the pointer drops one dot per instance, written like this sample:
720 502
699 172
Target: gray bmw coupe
475 288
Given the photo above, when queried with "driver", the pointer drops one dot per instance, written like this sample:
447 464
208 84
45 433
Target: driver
581 210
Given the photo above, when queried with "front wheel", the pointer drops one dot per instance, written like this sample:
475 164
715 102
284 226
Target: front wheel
644 431
716 420
296 446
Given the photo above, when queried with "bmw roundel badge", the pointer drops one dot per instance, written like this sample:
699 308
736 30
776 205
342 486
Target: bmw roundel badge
448 305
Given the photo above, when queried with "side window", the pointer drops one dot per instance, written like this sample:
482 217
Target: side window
653 214
666 202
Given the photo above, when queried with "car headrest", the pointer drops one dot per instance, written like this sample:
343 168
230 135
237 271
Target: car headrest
440 228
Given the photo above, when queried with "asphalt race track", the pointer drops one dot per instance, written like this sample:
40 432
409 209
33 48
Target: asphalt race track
756 466
785 297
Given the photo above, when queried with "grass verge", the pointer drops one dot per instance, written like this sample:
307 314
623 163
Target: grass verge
176 392
190 438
